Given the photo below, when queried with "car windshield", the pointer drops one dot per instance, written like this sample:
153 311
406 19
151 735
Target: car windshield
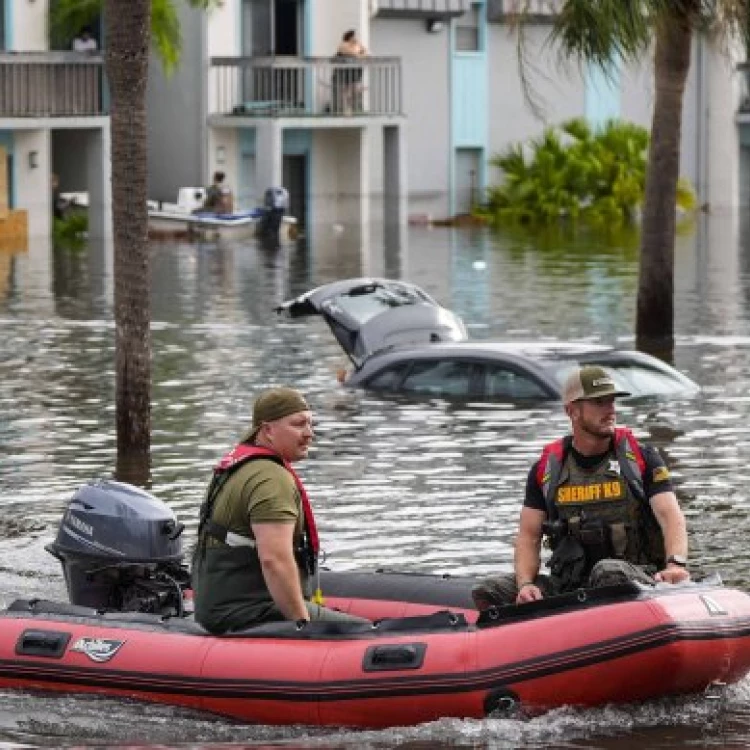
366 305
638 378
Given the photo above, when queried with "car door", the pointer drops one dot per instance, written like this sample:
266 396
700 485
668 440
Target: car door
440 378
505 382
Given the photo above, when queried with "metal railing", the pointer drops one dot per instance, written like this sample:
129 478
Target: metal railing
423 8
50 84
500 10
305 87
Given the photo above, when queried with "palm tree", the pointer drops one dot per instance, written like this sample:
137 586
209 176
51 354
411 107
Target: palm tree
128 33
128 28
600 31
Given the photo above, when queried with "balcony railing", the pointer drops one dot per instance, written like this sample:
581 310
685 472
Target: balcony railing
50 84
422 8
499 11
305 87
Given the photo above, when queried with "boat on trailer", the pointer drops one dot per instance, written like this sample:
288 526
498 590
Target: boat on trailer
427 655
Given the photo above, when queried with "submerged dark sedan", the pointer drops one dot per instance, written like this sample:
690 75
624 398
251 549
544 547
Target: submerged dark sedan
400 340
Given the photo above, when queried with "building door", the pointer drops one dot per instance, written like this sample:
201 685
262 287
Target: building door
468 164
295 181
257 28
288 26
63 40
271 28
248 194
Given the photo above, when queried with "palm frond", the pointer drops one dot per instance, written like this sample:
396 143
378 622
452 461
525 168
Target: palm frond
602 31
165 33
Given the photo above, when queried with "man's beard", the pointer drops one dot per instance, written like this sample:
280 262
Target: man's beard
597 430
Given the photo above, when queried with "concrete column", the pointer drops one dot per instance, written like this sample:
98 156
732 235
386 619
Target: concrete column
99 182
364 203
364 176
269 145
33 167
394 176
34 195
719 97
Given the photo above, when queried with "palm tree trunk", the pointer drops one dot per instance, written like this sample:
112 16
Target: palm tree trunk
127 53
654 328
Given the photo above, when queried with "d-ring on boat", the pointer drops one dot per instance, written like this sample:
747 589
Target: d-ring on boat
125 633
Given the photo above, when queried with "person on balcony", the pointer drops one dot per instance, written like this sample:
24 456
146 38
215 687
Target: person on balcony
347 82
85 41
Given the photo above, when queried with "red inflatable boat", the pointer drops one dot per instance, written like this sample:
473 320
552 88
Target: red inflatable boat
426 657
619 644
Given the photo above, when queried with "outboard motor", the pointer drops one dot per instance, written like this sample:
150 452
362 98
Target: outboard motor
276 204
121 550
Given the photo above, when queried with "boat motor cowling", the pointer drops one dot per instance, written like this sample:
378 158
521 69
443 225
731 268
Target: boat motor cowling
121 550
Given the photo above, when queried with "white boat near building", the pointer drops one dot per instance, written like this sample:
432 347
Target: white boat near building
185 217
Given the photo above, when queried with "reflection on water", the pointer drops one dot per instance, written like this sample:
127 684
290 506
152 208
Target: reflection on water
428 485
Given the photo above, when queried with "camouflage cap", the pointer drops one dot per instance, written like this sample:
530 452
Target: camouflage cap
273 404
587 382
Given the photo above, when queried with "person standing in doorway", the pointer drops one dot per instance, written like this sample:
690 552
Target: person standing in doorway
85 41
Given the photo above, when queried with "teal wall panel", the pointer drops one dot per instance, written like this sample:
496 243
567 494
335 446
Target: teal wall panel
469 101
7 11
297 142
469 77
246 188
602 94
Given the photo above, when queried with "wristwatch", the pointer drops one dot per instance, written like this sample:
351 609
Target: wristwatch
680 560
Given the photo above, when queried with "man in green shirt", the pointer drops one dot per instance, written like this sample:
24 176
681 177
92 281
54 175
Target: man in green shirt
257 548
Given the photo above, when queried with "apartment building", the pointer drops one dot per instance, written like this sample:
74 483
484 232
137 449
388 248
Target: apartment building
260 96
53 119
442 93
465 102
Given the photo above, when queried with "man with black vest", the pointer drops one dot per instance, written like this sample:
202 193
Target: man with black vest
604 502
257 551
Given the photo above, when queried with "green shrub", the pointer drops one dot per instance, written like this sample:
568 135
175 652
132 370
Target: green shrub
70 232
572 173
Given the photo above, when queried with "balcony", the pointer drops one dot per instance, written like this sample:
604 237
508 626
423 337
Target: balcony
305 87
501 11
50 84
437 9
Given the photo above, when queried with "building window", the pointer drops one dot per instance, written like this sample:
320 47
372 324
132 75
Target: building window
468 38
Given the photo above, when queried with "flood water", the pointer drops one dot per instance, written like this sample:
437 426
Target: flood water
428 486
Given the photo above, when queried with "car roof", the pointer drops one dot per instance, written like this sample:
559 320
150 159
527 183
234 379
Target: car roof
549 361
529 350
